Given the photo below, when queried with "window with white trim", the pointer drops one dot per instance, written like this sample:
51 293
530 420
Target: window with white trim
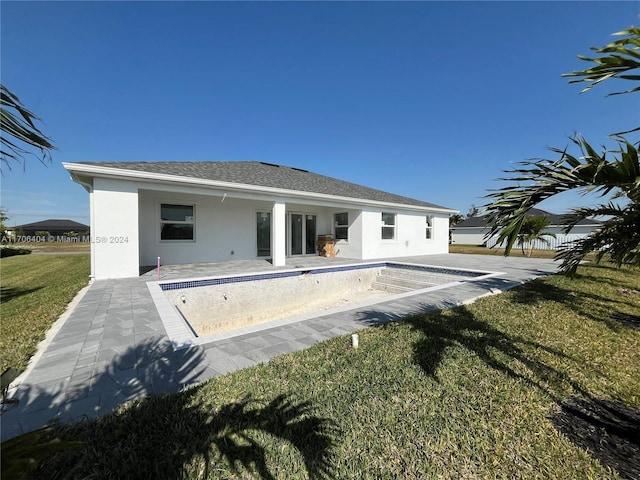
341 225
388 226
177 222
429 227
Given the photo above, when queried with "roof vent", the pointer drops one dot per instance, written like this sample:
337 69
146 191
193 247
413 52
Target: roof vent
270 164
300 169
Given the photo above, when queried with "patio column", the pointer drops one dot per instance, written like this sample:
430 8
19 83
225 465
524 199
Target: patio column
278 234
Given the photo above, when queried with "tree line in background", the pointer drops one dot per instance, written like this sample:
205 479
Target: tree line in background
458 217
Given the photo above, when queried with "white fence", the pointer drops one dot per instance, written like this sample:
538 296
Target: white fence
553 244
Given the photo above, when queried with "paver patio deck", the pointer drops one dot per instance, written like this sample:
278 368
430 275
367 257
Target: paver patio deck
111 346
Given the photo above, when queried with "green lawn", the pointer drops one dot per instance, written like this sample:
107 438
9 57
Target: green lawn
55 247
35 290
472 392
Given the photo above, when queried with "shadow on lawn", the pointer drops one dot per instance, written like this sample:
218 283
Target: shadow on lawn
177 435
609 431
459 327
604 308
8 293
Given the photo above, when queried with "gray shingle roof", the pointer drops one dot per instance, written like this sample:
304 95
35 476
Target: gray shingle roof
471 222
554 220
265 175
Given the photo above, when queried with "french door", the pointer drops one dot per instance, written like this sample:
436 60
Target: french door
302 234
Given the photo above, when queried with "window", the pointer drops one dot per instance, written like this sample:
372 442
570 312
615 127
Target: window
388 226
429 227
177 222
341 226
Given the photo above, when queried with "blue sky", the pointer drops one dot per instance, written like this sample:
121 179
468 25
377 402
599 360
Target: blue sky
432 100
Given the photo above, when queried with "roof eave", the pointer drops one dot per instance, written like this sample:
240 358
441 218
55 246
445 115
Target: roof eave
98 171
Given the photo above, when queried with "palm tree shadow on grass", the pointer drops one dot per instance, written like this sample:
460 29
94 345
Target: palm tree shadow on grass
173 436
459 327
167 435
606 308
609 431
10 293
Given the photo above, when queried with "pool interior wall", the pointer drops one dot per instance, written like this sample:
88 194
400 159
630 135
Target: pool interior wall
214 308
211 305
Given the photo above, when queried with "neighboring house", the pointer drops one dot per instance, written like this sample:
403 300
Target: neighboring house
54 227
198 212
472 231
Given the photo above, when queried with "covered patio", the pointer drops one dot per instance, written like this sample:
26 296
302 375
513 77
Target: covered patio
239 267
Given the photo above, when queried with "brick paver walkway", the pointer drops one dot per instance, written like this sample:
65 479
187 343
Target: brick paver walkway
111 347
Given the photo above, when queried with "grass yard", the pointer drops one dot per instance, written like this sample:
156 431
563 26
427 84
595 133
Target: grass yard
480 391
55 247
35 290
515 252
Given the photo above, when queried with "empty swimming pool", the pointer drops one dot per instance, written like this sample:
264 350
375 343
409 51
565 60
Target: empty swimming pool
193 310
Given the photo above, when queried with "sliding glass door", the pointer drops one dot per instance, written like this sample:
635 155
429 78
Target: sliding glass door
310 234
302 234
297 232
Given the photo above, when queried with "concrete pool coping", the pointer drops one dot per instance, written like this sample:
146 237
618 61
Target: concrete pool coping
111 346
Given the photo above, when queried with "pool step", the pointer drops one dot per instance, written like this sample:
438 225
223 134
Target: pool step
385 287
395 280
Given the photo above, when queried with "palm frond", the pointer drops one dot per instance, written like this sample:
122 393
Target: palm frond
591 172
618 238
618 58
18 132
539 179
576 215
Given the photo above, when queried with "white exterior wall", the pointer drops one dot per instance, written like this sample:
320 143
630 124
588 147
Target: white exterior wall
224 230
468 236
114 229
410 235
352 247
126 220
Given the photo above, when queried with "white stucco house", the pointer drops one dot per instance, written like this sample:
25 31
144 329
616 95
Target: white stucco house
472 231
201 212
